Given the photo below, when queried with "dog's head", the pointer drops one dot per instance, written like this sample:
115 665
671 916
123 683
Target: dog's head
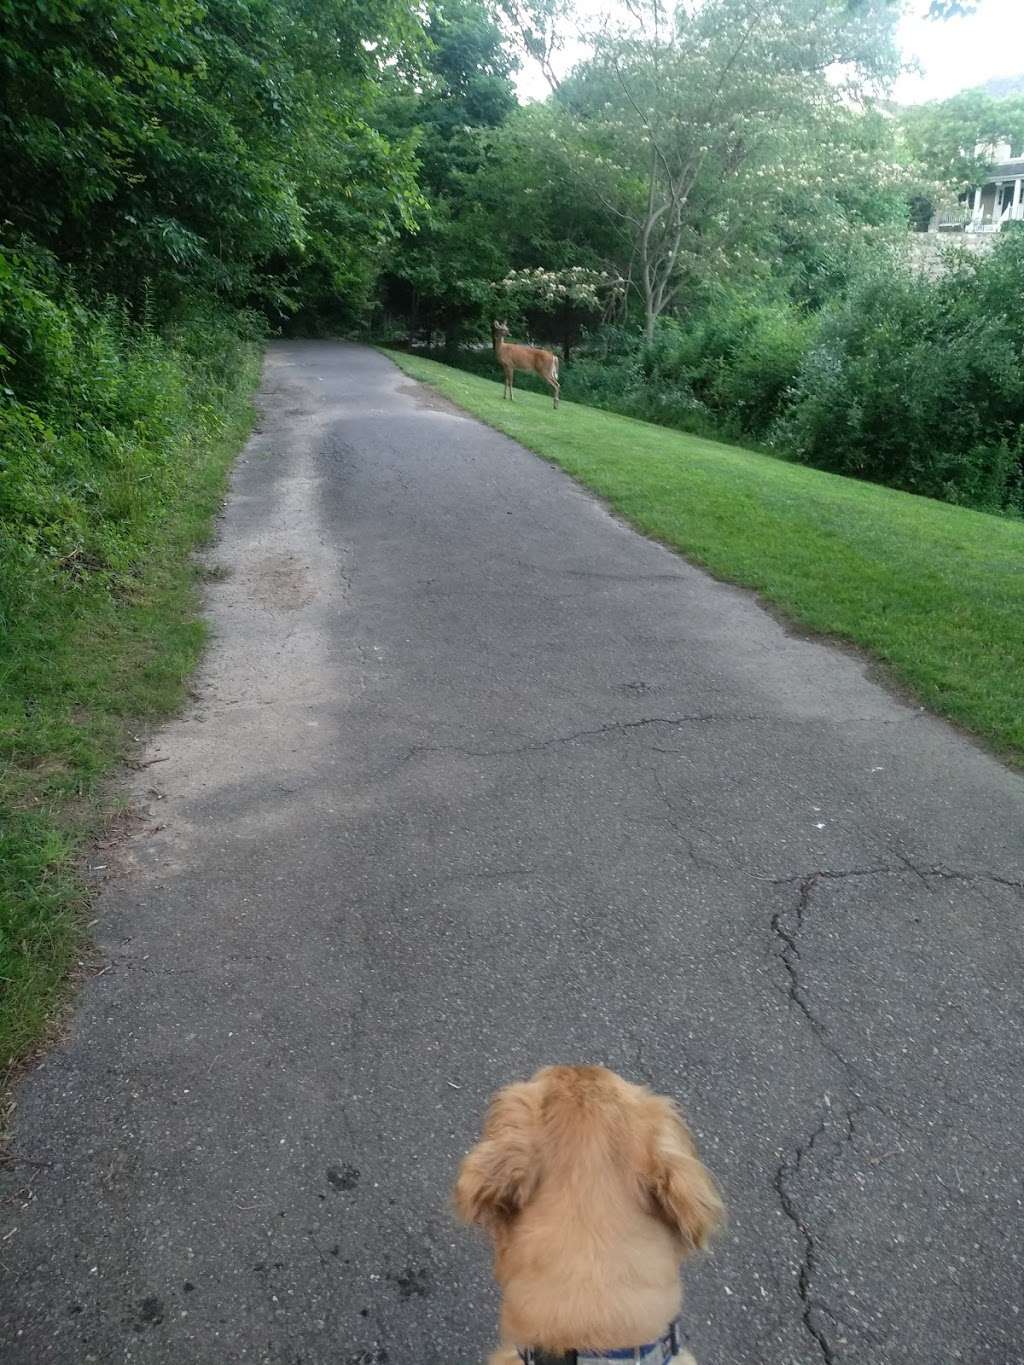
568 1115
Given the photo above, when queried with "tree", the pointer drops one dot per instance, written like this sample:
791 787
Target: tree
951 142
196 147
465 85
440 272
544 216
558 304
539 28
690 119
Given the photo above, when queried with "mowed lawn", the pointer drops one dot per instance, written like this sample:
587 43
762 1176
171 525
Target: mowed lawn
934 592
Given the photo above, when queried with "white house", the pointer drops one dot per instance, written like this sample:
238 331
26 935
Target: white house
990 206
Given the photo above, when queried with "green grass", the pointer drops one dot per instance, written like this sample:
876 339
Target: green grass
934 592
87 665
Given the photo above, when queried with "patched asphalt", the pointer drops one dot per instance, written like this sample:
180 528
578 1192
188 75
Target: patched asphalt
478 779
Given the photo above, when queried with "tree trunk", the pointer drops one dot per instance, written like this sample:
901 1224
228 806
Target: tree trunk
650 318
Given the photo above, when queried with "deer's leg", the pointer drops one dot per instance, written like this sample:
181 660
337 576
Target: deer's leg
556 388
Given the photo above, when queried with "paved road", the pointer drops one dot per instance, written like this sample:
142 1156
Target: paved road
477 779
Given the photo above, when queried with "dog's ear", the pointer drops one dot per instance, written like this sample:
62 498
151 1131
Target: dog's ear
500 1174
678 1182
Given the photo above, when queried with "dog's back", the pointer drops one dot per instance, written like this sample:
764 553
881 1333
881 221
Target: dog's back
593 1193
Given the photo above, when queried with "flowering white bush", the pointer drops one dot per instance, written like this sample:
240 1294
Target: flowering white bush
550 291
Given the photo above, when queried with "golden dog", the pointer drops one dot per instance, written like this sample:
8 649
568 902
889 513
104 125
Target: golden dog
593 1194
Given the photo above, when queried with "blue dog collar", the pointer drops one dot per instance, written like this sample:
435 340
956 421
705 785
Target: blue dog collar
658 1352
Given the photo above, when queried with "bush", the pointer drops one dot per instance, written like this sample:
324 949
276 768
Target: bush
736 355
725 370
98 415
919 384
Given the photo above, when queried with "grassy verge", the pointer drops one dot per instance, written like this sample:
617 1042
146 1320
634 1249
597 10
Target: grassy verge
88 658
935 592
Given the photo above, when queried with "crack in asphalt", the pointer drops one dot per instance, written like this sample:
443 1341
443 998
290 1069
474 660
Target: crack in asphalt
786 925
829 874
923 873
613 727
624 727
790 955
674 821
788 1170
954 875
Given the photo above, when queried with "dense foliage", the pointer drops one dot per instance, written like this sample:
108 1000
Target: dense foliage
167 165
921 387
96 459
221 147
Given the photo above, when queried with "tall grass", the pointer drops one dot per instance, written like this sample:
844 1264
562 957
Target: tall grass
115 440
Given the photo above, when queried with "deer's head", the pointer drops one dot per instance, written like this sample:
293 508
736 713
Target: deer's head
499 329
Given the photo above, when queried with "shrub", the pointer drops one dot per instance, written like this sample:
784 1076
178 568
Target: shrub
98 416
919 384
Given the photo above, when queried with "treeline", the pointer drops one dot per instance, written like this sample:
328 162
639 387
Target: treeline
175 176
222 149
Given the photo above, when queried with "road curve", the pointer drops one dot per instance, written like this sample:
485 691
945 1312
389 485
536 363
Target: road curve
478 779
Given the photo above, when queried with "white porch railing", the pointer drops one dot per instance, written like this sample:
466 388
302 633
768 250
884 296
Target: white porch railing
982 217
953 218
996 219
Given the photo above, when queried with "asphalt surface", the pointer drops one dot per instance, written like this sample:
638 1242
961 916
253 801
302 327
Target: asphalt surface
477 779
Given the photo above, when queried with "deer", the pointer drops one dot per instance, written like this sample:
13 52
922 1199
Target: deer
529 359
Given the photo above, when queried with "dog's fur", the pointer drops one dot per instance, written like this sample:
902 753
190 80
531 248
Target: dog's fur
593 1194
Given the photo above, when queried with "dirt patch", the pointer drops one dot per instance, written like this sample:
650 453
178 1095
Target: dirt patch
281 583
431 400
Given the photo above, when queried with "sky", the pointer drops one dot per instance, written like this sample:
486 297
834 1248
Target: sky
955 55
961 53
